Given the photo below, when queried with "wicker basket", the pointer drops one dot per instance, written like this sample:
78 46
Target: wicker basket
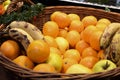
45 16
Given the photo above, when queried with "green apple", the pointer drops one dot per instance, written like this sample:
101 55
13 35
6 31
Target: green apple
78 68
103 65
55 60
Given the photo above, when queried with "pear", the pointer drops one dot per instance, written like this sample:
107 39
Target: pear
78 68
55 60
62 43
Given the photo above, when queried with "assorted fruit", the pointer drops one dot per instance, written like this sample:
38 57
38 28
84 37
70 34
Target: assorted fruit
67 43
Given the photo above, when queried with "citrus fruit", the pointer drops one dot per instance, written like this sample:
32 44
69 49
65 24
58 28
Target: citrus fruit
10 49
62 33
89 20
76 25
81 45
95 40
24 62
101 54
89 61
50 28
89 52
61 18
38 51
52 16
88 31
101 26
73 37
72 53
73 16
67 62
2 10
104 20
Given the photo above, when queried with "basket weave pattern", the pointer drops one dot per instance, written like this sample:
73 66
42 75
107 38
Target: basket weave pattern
41 19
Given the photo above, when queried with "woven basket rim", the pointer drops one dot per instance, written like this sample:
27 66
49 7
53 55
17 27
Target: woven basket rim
26 73
80 7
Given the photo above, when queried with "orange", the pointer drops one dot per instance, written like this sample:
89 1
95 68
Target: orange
61 18
73 16
104 20
73 37
50 28
89 20
44 67
89 61
95 40
51 41
2 10
101 26
24 61
55 50
88 31
81 34
81 45
101 55
62 33
72 53
10 49
38 51
76 25
52 16
89 52
67 62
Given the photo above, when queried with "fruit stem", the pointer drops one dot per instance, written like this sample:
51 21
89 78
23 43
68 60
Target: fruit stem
106 65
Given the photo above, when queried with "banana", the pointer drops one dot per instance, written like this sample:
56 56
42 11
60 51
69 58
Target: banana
28 27
115 48
108 34
20 35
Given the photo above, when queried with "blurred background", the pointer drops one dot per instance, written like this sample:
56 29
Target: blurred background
106 2
112 5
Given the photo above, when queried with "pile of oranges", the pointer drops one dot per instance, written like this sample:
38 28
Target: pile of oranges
83 36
